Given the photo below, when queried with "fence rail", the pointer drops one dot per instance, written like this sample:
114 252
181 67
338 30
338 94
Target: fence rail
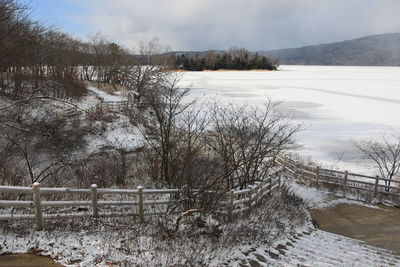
124 107
234 202
373 185
117 106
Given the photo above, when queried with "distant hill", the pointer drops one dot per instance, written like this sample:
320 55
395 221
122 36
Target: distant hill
374 50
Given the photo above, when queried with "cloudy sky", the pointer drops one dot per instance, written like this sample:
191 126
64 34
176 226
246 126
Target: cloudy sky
220 24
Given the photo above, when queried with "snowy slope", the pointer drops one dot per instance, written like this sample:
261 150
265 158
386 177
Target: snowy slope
322 198
314 247
105 96
318 248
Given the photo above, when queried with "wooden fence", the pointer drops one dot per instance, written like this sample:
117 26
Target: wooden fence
112 106
374 186
139 202
117 106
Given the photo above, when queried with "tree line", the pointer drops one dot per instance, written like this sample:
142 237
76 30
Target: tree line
39 59
33 54
235 59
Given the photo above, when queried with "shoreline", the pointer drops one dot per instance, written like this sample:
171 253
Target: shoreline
222 70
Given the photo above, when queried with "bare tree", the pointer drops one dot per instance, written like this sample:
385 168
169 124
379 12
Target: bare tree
162 131
39 166
246 141
384 152
210 59
202 150
39 140
150 49
147 69
175 133
141 79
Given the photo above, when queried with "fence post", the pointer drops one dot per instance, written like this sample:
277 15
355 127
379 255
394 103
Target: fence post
94 201
250 195
260 191
345 175
376 186
140 203
230 205
270 185
279 179
317 176
257 191
38 206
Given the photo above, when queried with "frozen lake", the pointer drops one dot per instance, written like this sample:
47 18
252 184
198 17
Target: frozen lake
336 104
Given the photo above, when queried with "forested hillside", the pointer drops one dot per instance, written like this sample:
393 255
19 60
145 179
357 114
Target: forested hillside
375 50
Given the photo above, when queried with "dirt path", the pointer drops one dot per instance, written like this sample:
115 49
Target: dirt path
25 260
378 227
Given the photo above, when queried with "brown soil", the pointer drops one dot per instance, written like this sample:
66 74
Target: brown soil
378 227
27 260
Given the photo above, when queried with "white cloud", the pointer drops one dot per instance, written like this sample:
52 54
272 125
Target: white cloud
254 24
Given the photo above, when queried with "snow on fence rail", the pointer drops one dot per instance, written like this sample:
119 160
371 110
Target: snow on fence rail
101 107
237 201
116 106
373 185
112 106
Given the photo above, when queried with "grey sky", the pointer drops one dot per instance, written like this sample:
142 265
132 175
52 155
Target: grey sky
253 24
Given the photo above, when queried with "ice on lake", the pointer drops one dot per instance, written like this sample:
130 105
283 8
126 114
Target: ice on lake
336 104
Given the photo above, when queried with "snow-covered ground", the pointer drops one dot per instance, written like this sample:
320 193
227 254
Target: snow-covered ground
118 133
319 248
318 96
105 96
320 199
106 244
336 104
309 247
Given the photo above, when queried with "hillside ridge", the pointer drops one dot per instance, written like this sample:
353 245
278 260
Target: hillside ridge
373 50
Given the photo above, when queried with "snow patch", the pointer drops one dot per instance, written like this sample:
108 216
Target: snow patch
106 96
319 199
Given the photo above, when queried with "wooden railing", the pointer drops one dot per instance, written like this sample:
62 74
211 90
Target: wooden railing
38 204
113 106
116 106
124 107
375 186
239 201
139 202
